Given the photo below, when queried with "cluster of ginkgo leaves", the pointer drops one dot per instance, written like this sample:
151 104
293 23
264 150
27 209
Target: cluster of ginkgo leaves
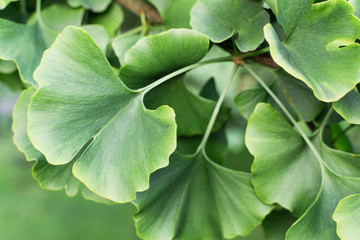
166 115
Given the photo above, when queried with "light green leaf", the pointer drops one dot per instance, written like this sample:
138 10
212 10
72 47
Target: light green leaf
121 44
297 97
222 19
346 216
4 3
93 5
286 171
194 198
348 107
192 112
49 176
26 49
175 13
111 19
155 56
104 112
98 34
325 57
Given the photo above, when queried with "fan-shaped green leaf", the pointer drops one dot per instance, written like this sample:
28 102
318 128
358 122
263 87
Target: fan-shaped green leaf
319 48
98 34
194 198
104 112
286 171
347 216
175 13
192 112
26 49
348 107
49 176
221 19
93 5
155 56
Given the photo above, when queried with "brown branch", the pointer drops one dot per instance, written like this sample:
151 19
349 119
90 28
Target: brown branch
265 60
138 6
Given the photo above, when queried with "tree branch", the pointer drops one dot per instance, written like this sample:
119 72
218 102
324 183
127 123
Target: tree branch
138 6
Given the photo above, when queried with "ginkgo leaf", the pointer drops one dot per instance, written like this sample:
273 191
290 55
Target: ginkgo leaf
121 44
26 49
287 171
296 96
192 112
319 47
194 198
127 141
4 3
49 176
348 107
175 13
347 215
7 67
93 5
111 19
222 19
153 57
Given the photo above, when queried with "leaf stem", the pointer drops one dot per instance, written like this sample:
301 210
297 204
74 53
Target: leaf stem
132 31
342 133
216 112
325 120
38 9
183 70
287 113
255 53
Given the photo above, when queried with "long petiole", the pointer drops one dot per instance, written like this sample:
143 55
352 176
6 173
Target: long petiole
183 70
216 112
287 113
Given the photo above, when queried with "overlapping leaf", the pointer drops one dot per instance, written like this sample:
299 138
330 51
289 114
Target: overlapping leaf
286 171
319 48
356 5
192 112
127 142
25 44
175 13
93 5
296 96
155 56
348 107
49 176
111 19
194 198
121 44
224 18
347 216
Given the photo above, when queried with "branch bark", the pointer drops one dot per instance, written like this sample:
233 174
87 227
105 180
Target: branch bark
138 6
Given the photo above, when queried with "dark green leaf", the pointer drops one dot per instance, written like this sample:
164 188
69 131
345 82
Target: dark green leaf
346 107
153 57
194 198
192 112
93 5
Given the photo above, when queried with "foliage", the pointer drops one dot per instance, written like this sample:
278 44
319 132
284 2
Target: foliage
153 115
